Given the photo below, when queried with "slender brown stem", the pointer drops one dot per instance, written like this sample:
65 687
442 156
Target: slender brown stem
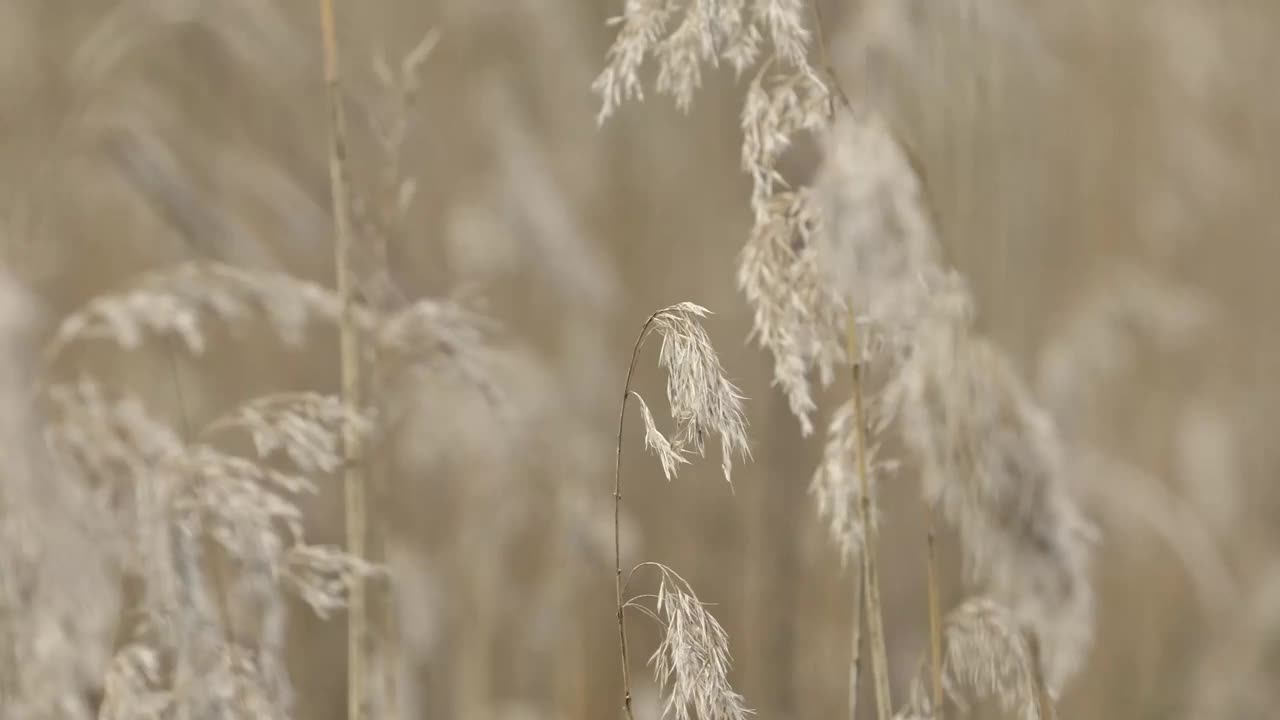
1044 701
935 616
855 642
867 590
617 514
870 537
353 477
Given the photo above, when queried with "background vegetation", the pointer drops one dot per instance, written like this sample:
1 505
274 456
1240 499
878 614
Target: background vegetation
1103 174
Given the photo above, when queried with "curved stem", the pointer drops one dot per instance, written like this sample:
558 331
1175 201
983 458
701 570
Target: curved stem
617 513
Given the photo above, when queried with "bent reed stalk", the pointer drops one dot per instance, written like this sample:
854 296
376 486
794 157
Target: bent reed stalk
617 511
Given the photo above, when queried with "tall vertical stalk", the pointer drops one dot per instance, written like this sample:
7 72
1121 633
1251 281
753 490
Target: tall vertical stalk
866 596
935 615
855 643
870 537
617 513
353 476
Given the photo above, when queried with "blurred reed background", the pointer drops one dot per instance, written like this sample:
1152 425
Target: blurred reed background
1104 174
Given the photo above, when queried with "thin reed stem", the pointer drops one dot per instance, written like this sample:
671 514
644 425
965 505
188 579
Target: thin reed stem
935 615
353 476
855 642
870 537
867 585
1044 702
617 513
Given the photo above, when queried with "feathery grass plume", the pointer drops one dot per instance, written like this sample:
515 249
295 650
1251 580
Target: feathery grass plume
61 549
986 656
691 664
877 240
682 36
176 302
703 400
989 456
180 623
795 315
992 461
171 302
306 427
183 493
834 485
777 108
656 442
439 335
872 232
434 331
180 496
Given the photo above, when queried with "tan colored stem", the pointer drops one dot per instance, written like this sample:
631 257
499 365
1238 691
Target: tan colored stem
935 617
1044 701
869 580
353 477
855 642
617 513
870 538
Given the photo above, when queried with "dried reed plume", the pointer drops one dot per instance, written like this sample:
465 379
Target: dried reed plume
183 496
798 315
986 656
184 656
693 659
177 302
989 456
692 662
61 548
